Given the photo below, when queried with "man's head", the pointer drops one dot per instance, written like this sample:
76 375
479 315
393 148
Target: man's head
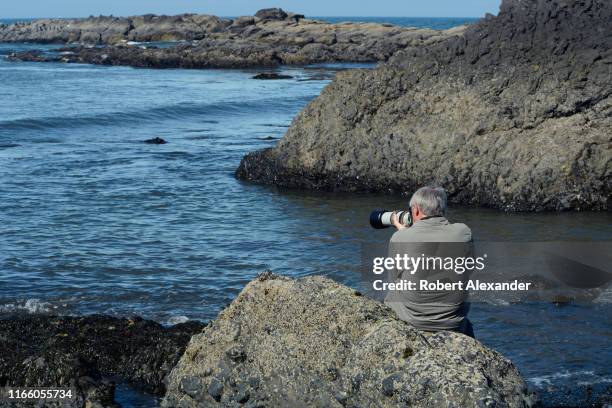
428 201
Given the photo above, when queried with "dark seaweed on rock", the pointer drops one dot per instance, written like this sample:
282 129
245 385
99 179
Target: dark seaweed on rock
87 353
515 114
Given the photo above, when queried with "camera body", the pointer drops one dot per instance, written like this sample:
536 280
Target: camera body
380 219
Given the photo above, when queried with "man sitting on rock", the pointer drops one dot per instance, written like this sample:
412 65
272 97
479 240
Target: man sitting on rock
431 237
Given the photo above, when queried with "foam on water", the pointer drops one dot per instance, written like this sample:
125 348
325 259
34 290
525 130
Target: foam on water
176 320
543 380
28 306
605 296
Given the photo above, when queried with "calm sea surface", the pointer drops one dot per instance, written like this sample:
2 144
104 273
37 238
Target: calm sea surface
94 220
438 23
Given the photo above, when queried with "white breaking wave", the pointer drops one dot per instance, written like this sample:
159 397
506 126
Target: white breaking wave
176 320
588 377
29 306
605 296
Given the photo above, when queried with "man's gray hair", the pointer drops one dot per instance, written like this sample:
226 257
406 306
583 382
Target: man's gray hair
431 200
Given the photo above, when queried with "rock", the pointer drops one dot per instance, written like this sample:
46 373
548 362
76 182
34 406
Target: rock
271 14
515 114
295 17
274 39
271 75
215 389
155 140
114 30
53 368
85 352
313 342
242 22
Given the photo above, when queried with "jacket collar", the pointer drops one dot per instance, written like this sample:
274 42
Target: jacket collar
431 221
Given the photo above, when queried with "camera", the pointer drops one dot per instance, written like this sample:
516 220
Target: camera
380 219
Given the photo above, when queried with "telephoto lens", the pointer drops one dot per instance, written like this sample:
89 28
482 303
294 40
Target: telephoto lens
380 219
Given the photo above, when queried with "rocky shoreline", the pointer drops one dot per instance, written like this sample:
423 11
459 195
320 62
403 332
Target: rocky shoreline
304 342
270 38
514 114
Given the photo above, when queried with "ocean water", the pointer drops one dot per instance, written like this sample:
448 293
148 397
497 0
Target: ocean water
15 20
437 23
93 220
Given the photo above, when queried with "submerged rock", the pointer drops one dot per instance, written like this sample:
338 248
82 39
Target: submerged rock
514 114
86 353
314 342
271 75
156 140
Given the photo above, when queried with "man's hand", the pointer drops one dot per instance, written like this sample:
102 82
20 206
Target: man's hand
395 221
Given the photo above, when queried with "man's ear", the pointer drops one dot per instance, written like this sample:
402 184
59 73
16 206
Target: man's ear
415 212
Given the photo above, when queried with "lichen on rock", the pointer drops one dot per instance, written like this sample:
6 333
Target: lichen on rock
313 342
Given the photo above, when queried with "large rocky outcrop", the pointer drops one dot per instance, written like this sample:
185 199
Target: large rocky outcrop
111 30
87 353
515 114
315 343
270 38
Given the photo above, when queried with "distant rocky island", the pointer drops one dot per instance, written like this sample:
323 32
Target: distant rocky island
270 38
514 114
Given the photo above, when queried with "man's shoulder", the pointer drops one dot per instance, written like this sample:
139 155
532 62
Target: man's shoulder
449 232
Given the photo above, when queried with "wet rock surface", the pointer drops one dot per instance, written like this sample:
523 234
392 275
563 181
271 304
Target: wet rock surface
270 38
313 342
89 353
271 75
514 114
155 140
